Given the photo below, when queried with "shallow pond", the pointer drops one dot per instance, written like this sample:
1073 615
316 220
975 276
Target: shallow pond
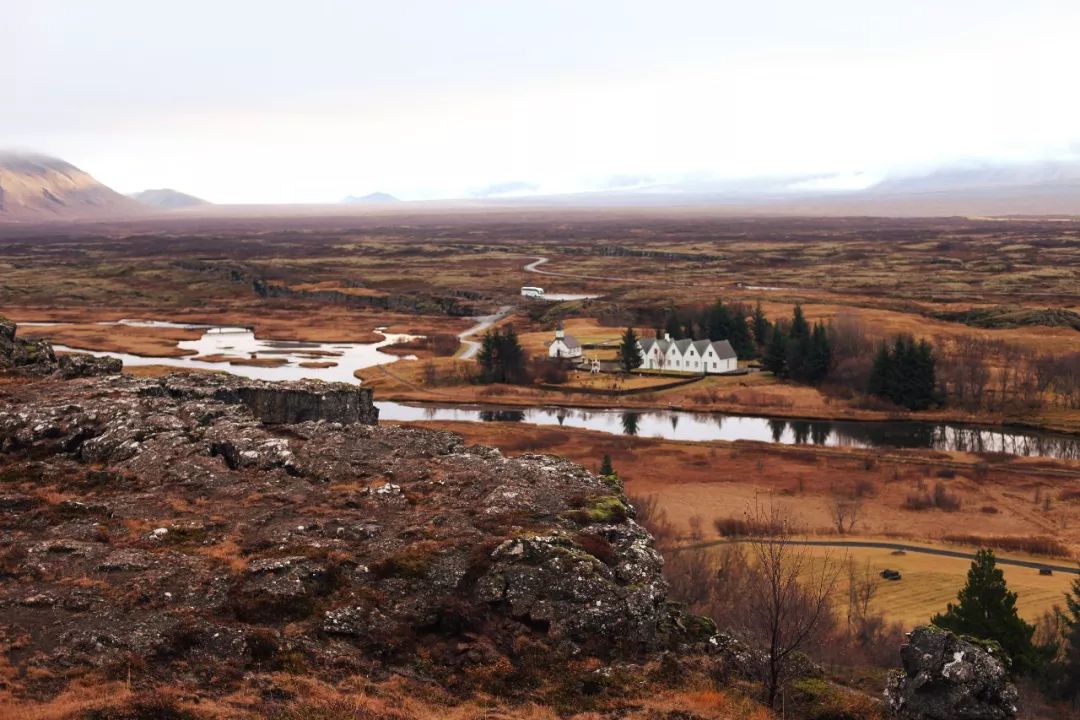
241 344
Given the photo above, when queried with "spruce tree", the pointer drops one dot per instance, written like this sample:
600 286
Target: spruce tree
606 468
799 327
1069 682
880 372
629 351
760 326
986 609
672 326
776 355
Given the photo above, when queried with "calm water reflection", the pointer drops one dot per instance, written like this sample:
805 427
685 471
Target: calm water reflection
679 425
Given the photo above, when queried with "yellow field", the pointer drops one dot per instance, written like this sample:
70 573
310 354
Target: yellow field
930 582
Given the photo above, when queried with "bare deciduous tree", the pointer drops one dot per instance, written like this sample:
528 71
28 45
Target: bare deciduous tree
788 597
844 513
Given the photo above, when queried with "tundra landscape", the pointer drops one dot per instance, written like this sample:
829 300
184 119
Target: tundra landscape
995 298
539 360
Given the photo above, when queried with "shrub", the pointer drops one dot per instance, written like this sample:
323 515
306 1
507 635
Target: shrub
1034 545
941 499
412 562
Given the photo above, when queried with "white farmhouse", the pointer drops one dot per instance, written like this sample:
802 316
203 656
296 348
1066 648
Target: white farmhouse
693 356
564 346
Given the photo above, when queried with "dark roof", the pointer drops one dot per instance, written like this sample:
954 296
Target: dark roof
570 341
724 350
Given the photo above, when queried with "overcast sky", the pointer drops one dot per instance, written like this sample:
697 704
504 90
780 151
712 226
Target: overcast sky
312 100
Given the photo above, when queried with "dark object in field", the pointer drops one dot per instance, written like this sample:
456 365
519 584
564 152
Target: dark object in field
899 552
890 574
1046 571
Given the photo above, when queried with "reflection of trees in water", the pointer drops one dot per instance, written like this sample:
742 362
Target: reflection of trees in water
801 429
819 432
630 422
502 415
777 427
674 421
561 417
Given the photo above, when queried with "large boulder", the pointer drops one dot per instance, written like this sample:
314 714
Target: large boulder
27 357
947 677
83 365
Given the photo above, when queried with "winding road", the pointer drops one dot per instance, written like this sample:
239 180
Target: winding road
534 267
1075 570
483 323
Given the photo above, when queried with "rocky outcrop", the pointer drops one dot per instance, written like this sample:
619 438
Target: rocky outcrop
946 677
27 357
36 357
81 365
163 519
274 403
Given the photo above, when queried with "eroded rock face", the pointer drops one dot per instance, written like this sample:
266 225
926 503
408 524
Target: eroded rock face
82 365
946 677
36 358
162 518
28 357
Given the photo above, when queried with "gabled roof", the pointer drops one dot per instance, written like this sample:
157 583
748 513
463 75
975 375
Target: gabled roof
682 345
647 345
724 350
701 346
569 341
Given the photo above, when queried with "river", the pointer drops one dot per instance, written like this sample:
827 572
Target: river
240 342
694 426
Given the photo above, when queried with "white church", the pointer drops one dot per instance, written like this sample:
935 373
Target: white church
564 346
693 356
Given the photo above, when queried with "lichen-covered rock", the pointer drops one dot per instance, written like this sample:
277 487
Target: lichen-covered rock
946 677
27 357
82 365
162 518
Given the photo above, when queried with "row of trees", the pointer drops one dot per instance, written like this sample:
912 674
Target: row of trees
904 374
798 351
719 321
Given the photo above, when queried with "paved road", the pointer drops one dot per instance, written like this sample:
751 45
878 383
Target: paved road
534 267
483 323
1075 570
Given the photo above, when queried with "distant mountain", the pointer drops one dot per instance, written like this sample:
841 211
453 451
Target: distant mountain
167 199
37 187
974 189
375 198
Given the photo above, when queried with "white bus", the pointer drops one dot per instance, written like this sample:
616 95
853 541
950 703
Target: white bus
533 292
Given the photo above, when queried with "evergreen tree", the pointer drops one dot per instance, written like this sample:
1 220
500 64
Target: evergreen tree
799 328
880 372
1069 681
718 322
818 362
740 337
606 468
905 374
501 358
760 325
986 609
672 326
776 355
629 351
